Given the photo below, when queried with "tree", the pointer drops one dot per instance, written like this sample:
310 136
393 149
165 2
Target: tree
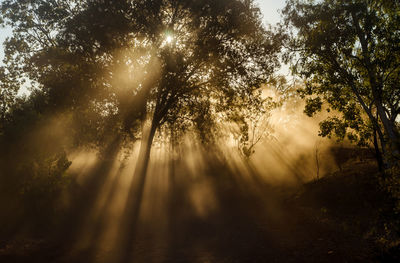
133 68
158 58
249 126
8 93
348 52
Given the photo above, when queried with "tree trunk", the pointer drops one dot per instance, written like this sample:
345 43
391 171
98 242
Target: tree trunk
144 158
378 154
377 86
390 131
317 160
130 217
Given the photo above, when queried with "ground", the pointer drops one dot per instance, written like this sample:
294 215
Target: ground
330 220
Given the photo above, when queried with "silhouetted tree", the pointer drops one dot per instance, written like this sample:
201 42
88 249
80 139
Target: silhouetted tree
135 67
348 51
249 126
169 61
8 95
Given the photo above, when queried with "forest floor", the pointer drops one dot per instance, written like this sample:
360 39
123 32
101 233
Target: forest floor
328 220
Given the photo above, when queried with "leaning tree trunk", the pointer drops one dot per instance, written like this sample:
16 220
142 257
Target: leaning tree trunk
390 131
378 153
130 217
139 176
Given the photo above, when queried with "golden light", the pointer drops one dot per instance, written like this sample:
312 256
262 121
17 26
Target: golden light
169 39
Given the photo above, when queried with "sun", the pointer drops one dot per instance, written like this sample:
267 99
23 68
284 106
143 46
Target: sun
169 39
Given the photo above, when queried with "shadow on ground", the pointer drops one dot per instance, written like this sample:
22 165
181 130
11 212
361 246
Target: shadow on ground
216 214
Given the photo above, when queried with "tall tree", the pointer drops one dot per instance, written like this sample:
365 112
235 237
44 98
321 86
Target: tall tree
349 54
170 61
136 66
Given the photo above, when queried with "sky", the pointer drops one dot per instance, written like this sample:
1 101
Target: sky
270 8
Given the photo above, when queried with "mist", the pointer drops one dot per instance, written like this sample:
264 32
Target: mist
161 131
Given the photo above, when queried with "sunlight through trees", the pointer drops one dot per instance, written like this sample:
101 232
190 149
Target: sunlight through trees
161 131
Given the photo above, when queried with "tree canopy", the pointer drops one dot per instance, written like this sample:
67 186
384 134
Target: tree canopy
122 70
349 54
119 62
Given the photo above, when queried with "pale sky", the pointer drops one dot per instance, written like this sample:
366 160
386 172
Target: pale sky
270 10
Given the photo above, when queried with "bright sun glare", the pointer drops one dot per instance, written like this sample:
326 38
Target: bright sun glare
169 39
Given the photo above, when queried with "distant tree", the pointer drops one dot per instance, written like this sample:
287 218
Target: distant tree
251 125
33 165
8 95
349 54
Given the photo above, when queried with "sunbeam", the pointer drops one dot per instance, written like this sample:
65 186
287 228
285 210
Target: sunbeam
161 131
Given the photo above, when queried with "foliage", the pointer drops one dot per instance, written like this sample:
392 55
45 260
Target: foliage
251 125
348 53
102 71
115 63
33 166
